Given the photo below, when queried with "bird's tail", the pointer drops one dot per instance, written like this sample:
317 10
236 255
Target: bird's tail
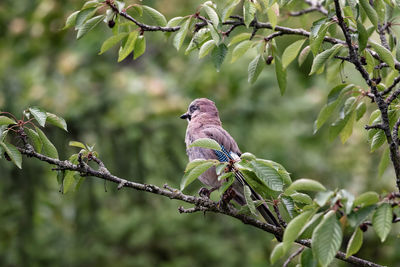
263 208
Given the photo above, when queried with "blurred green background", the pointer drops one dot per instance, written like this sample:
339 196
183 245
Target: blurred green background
130 110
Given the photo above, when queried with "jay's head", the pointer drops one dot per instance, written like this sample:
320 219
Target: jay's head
201 109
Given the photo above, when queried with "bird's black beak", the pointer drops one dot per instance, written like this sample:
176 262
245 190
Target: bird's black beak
185 116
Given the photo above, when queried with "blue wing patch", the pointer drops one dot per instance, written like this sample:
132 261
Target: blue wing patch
224 155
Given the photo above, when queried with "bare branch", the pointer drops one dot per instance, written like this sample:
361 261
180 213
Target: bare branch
302 12
291 257
376 126
390 88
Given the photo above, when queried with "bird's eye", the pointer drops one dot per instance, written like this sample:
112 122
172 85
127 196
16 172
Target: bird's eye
193 108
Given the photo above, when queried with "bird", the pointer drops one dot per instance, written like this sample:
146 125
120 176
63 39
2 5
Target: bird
203 122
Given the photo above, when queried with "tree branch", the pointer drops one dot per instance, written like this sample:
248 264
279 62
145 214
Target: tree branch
201 204
382 104
390 88
292 256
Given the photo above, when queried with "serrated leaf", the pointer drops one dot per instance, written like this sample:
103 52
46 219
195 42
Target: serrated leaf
306 185
249 201
378 139
56 121
288 204
35 139
255 68
198 39
360 110
140 47
383 53
206 48
89 25
355 242
239 38
307 259
382 220
303 55
212 15
48 148
320 60
295 228
359 216
370 11
324 114
71 20
301 198
218 55
272 14
241 49
77 144
39 114
6 120
326 239
214 33
206 143
68 181
277 253
322 198
13 153
228 9
249 10
291 53
366 199
318 33
194 173
155 15
268 174
129 46
83 15
280 74
362 36
227 184
175 21
110 42
347 130
181 34
384 162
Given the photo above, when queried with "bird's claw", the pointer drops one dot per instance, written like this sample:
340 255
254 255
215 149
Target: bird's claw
204 192
227 196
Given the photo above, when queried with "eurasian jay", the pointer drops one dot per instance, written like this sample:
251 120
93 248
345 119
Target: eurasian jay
204 122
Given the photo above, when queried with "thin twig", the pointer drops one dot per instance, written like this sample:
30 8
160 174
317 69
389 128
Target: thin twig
390 88
292 256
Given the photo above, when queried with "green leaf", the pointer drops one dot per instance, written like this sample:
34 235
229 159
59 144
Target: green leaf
140 47
206 48
255 68
272 14
370 11
35 139
362 36
318 33
301 198
355 242
241 49
6 120
89 25
321 198
48 148
175 21
359 216
181 34
77 144
277 253
155 15
324 114
384 162
360 110
288 204
307 259
230 179
198 39
128 47
206 143
326 239
113 40
193 174
71 20
239 38
378 140
291 53
303 55
268 174
280 74
295 228
68 181
194 163
229 8
39 114
56 121
218 55
320 60
13 153
249 201
249 10
382 220
347 130
247 156
383 53
214 33
366 199
211 14
306 185
84 15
